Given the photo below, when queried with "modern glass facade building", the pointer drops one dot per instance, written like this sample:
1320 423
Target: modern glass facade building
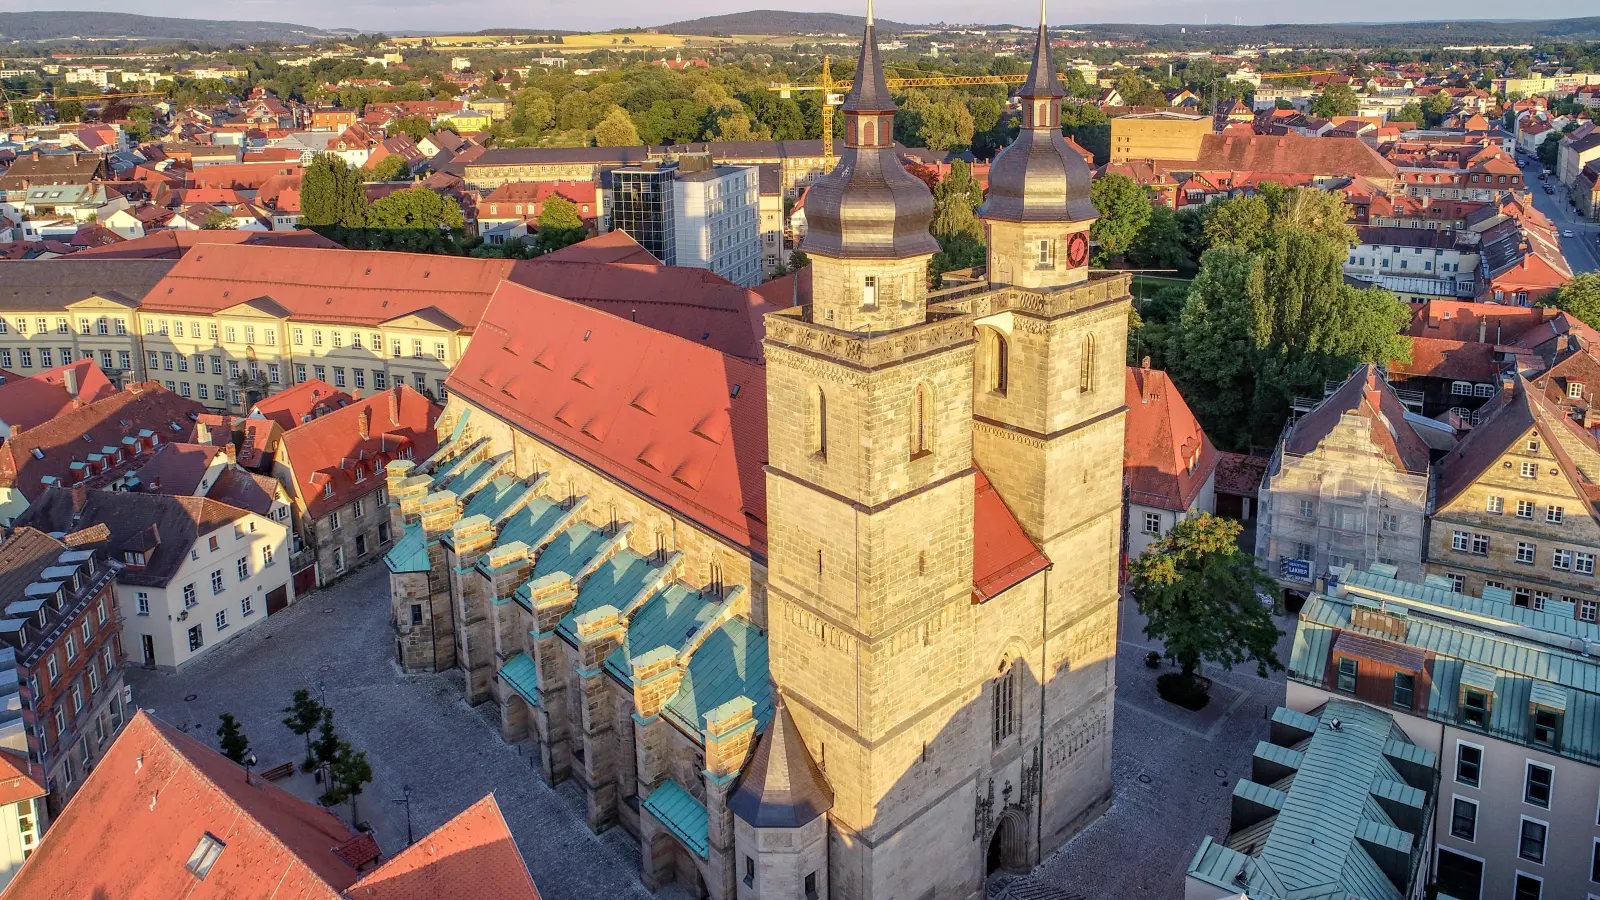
642 206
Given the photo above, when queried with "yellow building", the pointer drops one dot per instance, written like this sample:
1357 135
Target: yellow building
467 121
1158 135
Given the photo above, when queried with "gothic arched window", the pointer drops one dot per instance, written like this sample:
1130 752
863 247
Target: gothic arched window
817 422
998 359
921 422
1005 703
1086 371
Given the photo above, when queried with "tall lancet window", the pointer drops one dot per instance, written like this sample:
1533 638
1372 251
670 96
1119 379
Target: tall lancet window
998 358
921 422
1086 371
817 422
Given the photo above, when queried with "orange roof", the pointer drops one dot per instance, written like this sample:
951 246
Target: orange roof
20 778
1442 358
678 421
302 403
1166 457
356 287
172 244
1462 320
347 448
1002 555
470 857
611 247
29 402
1288 154
145 808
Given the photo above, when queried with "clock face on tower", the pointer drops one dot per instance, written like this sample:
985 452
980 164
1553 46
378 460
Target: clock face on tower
1078 250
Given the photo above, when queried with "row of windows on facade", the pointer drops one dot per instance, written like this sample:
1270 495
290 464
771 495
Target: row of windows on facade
196 633
1586 609
1474 706
1348 519
361 546
84 750
1538 783
226 334
99 673
1561 559
1385 263
218 582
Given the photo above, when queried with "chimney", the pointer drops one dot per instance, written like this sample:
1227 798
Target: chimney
364 425
155 483
1483 329
69 380
394 405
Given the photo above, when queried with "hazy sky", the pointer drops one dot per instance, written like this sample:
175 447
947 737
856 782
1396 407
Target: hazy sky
571 14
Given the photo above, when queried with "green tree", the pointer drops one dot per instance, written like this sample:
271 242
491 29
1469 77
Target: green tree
1436 108
70 110
331 195
1550 150
1579 297
955 222
1124 208
348 772
302 717
391 168
1411 112
559 225
1161 244
798 260
1199 592
235 745
325 749
216 220
417 220
616 130
1336 100
414 127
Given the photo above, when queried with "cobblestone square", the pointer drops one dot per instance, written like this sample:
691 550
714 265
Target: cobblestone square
1174 770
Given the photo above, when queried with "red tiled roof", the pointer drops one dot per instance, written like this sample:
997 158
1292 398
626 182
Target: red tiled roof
245 176
144 809
672 419
470 857
1002 555
1166 456
105 423
305 401
611 247
358 287
1460 320
331 450
26 403
1289 154
1456 360
20 778
173 244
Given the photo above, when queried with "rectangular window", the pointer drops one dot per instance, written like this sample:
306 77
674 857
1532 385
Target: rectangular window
380 379
1152 523
1528 887
1308 509
222 619
360 377
333 521
338 559
216 582
142 602
243 566
1469 764
338 376
1474 708
266 556
1526 551
1536 785
1349 669
1405 690
216 365
394 348
1464 819
196 639
231 334
299 336
249 334
299 372
273 376
1561 559
1530 846
1459 541
416 348
338 340
1530 470
1583 563
189 595
1480 544
1555 514
1524 509
438 351
1588 609
1546 728
246 607
320 372
316 337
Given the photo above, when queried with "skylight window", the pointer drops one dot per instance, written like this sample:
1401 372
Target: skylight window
205 855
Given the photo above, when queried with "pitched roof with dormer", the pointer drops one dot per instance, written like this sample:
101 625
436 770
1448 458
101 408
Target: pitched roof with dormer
340 456
1166 456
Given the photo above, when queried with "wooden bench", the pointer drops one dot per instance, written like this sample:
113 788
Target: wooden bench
277 772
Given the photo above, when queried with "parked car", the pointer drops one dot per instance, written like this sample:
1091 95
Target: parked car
1567 233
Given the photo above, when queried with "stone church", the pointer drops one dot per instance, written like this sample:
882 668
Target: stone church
816 603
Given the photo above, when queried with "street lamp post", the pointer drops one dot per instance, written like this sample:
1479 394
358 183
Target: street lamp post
406 790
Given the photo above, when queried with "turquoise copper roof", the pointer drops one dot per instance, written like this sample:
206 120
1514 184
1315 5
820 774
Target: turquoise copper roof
571 551
495 498
615 583
1326 830
683 815
522 675
731 662
1481 642
533 524
410 553
668 619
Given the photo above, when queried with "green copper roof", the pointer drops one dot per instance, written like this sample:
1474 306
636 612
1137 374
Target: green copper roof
1479 642
683 815
1317 834
669 619
522 675
533 524
410 553
570 551
615 583
731 662
493 499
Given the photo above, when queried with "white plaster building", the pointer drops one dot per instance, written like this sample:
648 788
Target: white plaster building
716 219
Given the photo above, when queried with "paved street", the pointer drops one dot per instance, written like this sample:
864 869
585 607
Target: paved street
1581 250
1173 767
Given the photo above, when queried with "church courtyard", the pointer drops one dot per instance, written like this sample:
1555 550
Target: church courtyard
1174 769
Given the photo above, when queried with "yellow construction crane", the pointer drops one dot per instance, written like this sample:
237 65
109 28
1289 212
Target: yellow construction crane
833 93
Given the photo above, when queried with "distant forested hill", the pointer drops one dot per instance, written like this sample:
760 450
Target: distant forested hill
1392 34
778 21
53 26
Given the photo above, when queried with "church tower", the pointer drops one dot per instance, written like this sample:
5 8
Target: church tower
870 496
1048 410
1037 214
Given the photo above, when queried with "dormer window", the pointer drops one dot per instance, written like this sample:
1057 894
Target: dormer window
327 489
1475 705
361 474
1544 727
1575 390
134 559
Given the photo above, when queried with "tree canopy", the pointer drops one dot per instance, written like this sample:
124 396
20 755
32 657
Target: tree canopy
1579 297
1199 592
1124 208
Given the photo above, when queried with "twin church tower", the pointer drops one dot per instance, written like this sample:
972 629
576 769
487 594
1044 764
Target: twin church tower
944 500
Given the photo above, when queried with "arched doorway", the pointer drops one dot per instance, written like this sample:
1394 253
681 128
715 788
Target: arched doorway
1008 847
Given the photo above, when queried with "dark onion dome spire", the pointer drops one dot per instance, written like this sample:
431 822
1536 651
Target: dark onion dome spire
1039 177
869 206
